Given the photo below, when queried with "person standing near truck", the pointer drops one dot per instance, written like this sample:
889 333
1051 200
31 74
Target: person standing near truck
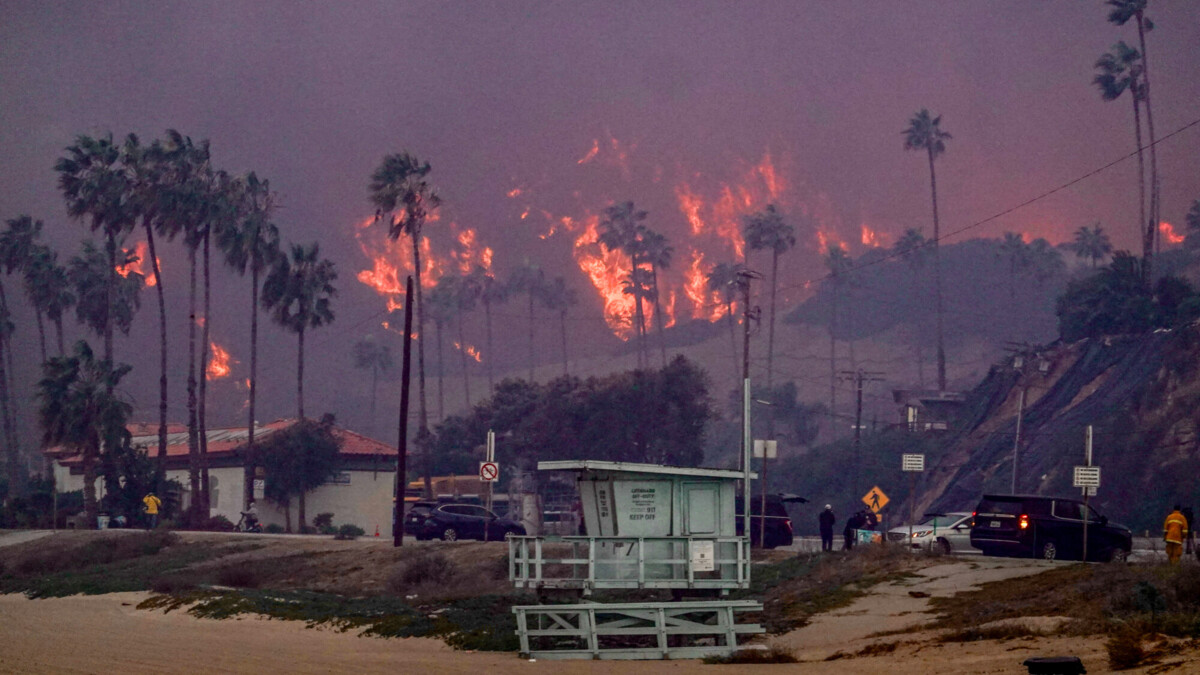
826 521
1175 530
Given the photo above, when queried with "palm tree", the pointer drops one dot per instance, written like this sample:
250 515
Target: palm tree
491 292
1016 251
723 279
838 262
924 133
1122 11
399 189
253 242
1092 243
96 187
79 409
187 210
104 302
767 230
49 288
623 229
466 294
441 305
639 284
370 355
1121 70
1044 261
557 297
298 291
657 254
147 171
912 248
17 245
528 279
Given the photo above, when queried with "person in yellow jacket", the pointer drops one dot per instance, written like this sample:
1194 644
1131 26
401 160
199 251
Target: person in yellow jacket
151 504
1175 530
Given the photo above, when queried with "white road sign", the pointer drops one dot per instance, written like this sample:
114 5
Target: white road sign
914 462
761 446
1087 476
489 472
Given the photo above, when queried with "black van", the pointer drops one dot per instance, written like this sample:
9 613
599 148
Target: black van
1045 527
779 523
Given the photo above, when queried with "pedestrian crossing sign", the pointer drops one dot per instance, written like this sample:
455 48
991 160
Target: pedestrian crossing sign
875 499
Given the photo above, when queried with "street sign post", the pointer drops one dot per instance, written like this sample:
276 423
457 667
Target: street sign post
875 499
1087 477
762 447
489 472
913 463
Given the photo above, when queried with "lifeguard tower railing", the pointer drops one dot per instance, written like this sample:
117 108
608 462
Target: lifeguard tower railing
589 563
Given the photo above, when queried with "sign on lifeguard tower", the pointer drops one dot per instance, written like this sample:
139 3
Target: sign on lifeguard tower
875 499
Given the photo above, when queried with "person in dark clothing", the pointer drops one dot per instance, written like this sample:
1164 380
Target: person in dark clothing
826 520
853 524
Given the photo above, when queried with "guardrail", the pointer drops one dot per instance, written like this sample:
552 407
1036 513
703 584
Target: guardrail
625 562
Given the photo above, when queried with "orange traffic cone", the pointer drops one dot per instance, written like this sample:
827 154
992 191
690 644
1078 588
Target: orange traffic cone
376 530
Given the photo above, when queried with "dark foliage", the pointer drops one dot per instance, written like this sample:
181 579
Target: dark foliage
299 458
640 416
1116 301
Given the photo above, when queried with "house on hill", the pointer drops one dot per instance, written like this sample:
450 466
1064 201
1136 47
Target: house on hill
360 492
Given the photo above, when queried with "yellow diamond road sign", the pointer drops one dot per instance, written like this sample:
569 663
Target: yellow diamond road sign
875 499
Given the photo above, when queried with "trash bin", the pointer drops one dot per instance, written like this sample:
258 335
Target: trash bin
102 522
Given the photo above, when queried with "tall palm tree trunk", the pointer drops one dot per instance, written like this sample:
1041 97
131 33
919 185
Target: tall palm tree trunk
161 468
12 462
833 356
531 334
771 326
441 373
918 354
562 320
737 374
662 340
41 333
58 329
374 391
201 411
300 374
109 300
423 441
462 354
1154 188
249 460
487 313
193 436
639 316
1148 232
937 279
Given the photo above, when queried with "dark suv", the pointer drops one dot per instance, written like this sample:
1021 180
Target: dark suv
779 523
1046 527
451 522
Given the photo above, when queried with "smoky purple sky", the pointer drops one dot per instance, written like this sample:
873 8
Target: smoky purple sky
504 96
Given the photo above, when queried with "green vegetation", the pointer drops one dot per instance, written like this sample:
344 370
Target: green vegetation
772 654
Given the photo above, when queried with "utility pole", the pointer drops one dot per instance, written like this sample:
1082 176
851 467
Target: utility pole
744 279
1023 353
859 377
401 483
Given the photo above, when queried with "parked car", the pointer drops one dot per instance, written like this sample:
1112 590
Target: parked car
779 523
1046 527
451 522
947 532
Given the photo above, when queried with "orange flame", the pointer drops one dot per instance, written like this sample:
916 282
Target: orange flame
1168 233
591 154
705 304
825 240
690 203
219 364
871 237
470 351
605 268
515 192
468 252
141 253
391 261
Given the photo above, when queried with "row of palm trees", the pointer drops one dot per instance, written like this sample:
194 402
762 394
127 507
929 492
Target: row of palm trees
168 188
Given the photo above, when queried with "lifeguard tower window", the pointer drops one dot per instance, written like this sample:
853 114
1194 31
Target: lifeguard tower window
700 515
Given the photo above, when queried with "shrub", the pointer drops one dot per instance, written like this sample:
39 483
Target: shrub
349 531
241 575
773 654
424 568
1125 649
323 520
174 583
219 523
273 528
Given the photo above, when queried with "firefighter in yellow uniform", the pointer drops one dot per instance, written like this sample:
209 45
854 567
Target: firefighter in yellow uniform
1175 530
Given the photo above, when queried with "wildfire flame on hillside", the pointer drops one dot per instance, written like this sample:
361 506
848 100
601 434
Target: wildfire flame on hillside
141 253
1168 233
470 351
871 237
219 363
